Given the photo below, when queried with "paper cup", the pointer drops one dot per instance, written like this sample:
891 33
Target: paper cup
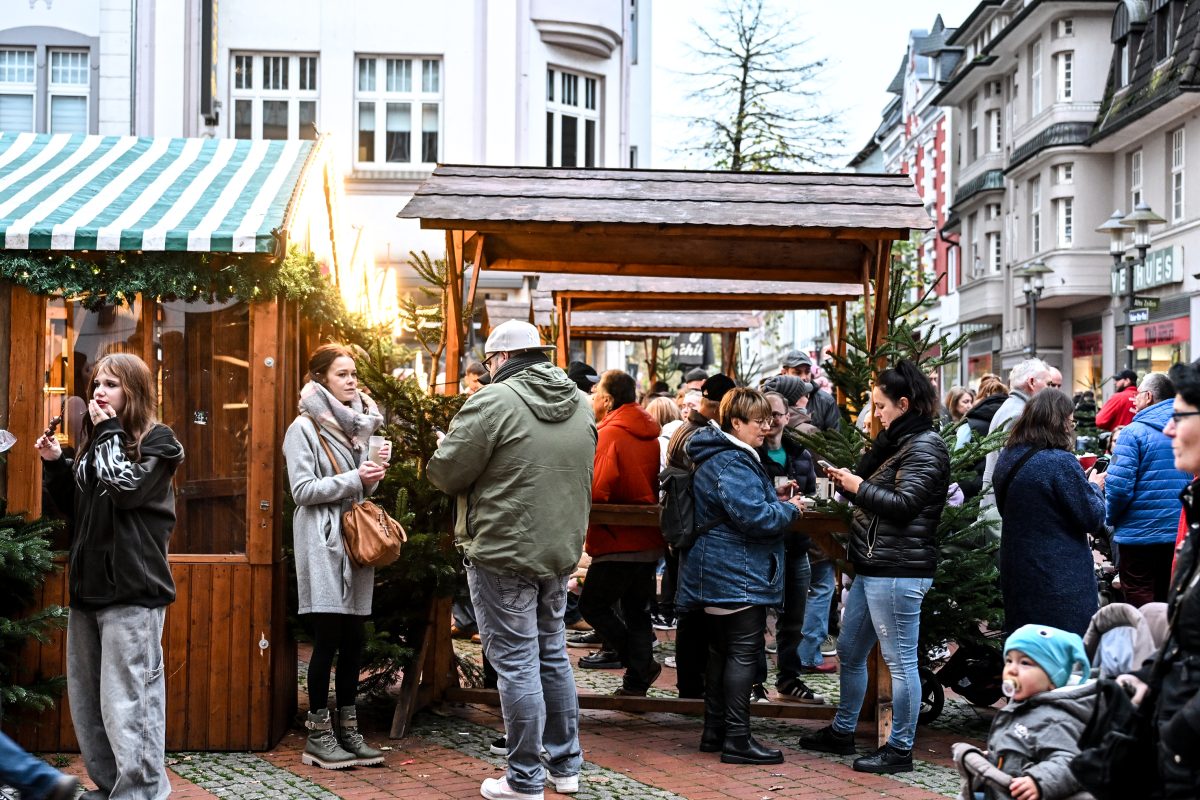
374 445
1087 462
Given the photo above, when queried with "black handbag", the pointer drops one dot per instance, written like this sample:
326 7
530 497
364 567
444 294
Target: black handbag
1119 746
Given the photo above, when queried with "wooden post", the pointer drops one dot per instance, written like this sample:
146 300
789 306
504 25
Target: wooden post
454 311
26 400
839 345
729 353
562 351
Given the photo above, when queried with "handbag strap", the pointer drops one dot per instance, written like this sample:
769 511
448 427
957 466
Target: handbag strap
325 445
1002 489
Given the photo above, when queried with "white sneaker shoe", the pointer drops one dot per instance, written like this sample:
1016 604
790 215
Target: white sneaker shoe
498 789
568 784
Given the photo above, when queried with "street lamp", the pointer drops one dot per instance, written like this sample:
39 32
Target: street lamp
1139 222
1032 284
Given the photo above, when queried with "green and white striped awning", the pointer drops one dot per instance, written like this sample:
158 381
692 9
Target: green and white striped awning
70 192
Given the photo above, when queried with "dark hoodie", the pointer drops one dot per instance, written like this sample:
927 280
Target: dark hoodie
627 473
979 419
123 514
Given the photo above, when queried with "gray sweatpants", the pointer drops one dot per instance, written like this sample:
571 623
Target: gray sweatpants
117 690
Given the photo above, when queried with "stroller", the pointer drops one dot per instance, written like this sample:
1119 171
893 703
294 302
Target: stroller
972 672
980 775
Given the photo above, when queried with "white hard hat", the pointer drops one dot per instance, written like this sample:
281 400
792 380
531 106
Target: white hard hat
508 337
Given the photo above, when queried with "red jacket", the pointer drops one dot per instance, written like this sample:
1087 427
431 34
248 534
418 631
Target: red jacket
626 473
1117 412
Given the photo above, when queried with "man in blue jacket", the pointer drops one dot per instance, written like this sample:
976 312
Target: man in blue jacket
1142 494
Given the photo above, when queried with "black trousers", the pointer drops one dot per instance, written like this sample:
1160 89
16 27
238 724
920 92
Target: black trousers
692 633
734 650
1146 572
629 586
344 635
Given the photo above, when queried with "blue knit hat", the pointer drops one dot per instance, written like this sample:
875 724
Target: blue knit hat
1056 651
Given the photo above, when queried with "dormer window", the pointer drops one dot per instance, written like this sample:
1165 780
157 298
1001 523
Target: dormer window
1129 22
1166 25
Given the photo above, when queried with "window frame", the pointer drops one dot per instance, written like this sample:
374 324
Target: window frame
568 99
1035 214
24 88
417 97
995 252
1064 77
1178 145
1136 167
54 90
1064 222
257 94
1035 78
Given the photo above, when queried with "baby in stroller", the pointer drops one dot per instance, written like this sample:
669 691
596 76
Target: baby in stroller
1034 737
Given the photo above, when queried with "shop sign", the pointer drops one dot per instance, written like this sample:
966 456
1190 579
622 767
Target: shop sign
1137 315
1145 302
1087 344
689 349
1162 267
1169 331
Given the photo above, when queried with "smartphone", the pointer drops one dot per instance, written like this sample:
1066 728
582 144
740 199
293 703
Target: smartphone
438 429
825 464
1101 464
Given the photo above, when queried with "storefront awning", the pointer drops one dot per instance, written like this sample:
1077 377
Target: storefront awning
69 192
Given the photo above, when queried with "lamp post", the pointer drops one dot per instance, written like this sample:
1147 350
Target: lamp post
1139 221
1032 284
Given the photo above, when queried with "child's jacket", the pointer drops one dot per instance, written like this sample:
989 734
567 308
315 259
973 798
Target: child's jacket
1038 737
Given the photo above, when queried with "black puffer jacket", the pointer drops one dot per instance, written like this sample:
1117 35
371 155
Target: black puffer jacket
897 510
979 420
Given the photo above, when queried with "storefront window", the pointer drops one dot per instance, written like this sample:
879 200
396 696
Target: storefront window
977 367
1087 355
1160 345
204 393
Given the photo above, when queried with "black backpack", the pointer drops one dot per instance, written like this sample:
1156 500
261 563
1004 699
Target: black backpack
676 513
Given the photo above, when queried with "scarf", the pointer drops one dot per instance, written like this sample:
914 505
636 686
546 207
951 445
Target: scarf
888 442
519 361
349 424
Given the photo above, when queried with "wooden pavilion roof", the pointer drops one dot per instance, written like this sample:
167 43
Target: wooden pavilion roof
625 293
822 227
498 311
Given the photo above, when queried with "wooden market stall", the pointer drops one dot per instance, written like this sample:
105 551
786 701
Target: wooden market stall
139 213
821 229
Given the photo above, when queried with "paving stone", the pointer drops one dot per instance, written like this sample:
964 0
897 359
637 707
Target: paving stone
242 775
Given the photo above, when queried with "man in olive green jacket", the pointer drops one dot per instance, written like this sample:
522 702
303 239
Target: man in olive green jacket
518 458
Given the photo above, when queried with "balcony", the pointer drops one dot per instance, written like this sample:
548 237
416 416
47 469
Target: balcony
588 26
1077 278
981 300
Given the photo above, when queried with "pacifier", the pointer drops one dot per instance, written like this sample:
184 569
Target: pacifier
1010 688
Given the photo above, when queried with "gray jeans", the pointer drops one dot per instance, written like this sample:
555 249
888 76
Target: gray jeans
117 690
521 625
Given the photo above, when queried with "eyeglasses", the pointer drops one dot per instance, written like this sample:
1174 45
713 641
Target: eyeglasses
760 422
1178 415
487 362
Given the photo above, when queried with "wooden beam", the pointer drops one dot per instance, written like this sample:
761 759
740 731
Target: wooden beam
453 311
264 443
479 260
839 346
729 353
562 351
26 400
792 232
760 272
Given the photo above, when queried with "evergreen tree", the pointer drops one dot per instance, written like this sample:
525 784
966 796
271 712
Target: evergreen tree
25 560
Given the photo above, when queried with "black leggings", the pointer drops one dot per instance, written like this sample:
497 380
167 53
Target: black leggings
345 635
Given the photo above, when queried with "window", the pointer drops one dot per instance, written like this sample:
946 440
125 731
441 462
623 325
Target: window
633 32
993 211
394 95
633 157
1165 22
274 96
1177 205
1123 62
1035 78
995 138
68 91
1035 214
973 133
1064 220
976 262
995 252
1065 75
1064 28
1135 179
1064 174
17 90
572 119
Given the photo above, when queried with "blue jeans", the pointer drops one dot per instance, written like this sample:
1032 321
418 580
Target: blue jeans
888 611
789 629
32 777
816 613
521 625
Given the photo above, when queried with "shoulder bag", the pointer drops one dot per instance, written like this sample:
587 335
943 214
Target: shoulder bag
371 537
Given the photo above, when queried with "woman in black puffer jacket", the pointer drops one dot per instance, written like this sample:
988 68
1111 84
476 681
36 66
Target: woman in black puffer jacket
898 490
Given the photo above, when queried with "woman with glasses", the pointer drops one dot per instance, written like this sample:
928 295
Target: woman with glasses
898 489
1048 507
735 570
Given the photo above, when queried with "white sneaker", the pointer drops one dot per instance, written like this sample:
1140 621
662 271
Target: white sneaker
568 784
498 789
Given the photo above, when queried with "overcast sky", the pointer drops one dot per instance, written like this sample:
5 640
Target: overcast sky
863 41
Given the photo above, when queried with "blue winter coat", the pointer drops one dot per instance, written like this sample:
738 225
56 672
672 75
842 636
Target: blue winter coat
740 561
1142 489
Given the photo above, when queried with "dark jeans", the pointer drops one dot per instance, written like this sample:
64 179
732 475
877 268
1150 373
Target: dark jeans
1146 572
670 579
691 652
789 630
736 643
629 584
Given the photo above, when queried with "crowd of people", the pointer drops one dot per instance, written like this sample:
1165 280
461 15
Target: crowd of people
533 448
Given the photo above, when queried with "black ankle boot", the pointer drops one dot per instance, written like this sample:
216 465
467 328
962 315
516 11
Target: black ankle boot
745 750
712 740
885 760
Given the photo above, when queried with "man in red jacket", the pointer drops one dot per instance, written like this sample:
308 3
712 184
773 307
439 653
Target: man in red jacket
624 557
1117 411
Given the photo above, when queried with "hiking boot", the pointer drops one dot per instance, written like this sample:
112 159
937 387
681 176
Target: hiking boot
352 741
601 659
827 740
322 748
885 761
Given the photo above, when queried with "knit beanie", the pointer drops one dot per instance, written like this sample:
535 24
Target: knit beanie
1055 651
791 387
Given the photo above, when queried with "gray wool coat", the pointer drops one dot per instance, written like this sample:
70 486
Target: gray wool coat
328 582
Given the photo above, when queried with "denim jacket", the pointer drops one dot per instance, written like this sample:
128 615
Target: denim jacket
740 561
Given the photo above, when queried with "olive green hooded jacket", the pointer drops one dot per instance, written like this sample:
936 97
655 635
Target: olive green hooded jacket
518 457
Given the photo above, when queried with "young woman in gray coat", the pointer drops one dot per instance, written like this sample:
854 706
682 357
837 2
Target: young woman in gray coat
336 592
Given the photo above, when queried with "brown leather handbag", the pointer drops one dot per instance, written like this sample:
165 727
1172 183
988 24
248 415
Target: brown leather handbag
371 537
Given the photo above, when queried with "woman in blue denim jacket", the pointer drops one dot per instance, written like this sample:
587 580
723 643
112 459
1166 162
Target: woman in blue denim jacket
734 571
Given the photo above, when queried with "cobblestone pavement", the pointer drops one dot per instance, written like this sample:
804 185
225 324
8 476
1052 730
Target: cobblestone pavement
626 756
